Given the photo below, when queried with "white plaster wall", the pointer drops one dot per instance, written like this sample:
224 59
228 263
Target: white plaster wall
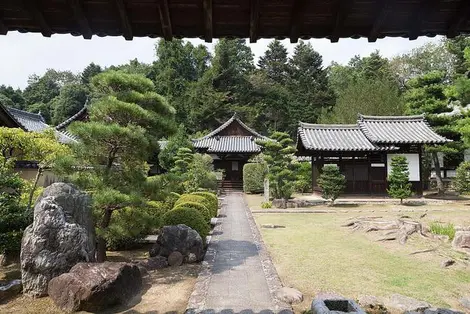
413 165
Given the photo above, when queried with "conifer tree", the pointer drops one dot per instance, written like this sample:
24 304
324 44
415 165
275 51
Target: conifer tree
332 182
398 180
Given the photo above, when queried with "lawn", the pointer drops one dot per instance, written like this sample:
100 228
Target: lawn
315 254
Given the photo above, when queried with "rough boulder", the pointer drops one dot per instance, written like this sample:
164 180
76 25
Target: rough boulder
95 287
62 235
461 241
179 238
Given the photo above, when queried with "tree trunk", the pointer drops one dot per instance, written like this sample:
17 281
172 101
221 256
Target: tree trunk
437 170
33 189
101 242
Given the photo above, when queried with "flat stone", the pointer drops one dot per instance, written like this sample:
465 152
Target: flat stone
465 302
156 262
271 226
289 295
175 259
372 304
404 303
461 241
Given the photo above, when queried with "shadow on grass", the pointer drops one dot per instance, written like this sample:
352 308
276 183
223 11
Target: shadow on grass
344 205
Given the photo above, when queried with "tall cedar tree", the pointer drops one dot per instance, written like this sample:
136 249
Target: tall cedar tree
332 182
399 185
126 120
425 95
279 155
274 62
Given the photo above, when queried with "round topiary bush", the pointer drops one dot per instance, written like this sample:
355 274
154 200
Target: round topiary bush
196 199
199 207
211 199
190 217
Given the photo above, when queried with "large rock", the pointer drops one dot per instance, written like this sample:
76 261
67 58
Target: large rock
95 287
289 295
62 234
404 303
179 238
461 241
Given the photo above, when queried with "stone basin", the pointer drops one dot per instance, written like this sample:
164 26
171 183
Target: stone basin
335 306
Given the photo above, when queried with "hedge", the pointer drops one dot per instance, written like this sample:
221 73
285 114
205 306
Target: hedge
253 177
189 217
199 207
211 199
197 199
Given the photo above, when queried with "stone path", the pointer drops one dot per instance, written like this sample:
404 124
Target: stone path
239 277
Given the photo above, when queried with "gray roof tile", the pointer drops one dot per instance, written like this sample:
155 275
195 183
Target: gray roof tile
399 130
335 137
228 144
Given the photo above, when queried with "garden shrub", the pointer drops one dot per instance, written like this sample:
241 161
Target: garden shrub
398 180
253 177
303 177
462 178
211 199
197 199
189 217
266 205
198 206
332 182
441 229
201 175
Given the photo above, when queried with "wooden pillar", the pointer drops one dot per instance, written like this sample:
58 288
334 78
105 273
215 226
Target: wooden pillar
419 191
314 174
369 168
354 175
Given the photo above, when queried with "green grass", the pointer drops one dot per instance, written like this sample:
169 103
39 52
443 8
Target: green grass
443 229
315 254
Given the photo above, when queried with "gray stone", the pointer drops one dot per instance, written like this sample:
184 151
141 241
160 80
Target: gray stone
465 302
441 311
62 234
175 259
289 295
404 303
461 241
335 306
156 262
271 226
214 221
372 304
10 290
447 263
192 258
95 287
180 238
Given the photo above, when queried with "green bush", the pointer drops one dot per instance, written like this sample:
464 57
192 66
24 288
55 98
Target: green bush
332 182
197 199
398 180
462 178
303 177
189 217
266 205
199 207
253 177
441 229
211 199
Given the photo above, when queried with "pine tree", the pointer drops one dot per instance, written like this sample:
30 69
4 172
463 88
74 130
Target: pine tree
183 159
274 62
462 178
398 180
332 182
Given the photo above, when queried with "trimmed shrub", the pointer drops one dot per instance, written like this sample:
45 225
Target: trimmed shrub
199 207
462 178
253 177
398 181
196 199
332 182
190 217
211 199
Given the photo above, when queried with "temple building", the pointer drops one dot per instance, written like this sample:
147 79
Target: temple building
363 151
231 146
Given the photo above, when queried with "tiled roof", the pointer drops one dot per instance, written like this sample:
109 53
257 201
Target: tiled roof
33 122
335 137
399 130
78 116
230 121
228 144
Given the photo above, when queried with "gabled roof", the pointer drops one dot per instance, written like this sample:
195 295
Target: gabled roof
79 116
7 119
335 137
216 143
34 122
399 130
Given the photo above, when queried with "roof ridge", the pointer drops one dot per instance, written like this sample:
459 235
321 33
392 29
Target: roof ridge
362 117
227 123
328 126
31 115
67 122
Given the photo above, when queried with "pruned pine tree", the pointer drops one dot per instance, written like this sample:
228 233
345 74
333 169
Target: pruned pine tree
332 182
278 155
184 158
127 118
399 185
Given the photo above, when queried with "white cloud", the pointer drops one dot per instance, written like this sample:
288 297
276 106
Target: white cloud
24 54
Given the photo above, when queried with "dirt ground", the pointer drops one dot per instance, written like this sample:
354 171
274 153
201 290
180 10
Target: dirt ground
164 291
314 253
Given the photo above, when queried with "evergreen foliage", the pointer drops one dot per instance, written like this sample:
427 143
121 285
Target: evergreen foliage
462 178
211 201
332 182
198 206
253 177
303 177
190 217
183 159
398 180
167 156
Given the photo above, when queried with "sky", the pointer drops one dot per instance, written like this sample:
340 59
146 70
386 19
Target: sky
24 54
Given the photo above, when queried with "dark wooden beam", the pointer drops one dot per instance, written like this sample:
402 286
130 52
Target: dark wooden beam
207 6
254 20
296 19
460 16
384 8
80 17
125 25
3 27
165 19
422 12
342 12
36 14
